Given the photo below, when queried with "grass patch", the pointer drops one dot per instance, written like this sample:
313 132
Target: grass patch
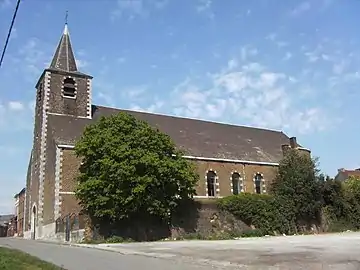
11 259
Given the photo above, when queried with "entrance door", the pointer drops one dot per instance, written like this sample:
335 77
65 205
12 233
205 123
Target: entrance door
67 229
33 223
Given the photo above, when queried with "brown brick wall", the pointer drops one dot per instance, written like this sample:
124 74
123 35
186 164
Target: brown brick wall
70 170
27 196
59 104
20 218
224 171
69 204
49 182
32 187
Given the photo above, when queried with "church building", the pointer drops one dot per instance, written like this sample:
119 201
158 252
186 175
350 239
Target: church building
230 159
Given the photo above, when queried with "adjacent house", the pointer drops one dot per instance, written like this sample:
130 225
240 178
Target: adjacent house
19 212
230 159
5 220
344 174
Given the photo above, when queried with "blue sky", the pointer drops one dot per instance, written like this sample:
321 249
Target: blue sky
293 66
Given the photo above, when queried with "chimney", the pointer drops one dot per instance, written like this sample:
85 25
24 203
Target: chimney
285 148
293 143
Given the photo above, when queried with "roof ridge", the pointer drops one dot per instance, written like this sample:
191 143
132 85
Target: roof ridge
194 119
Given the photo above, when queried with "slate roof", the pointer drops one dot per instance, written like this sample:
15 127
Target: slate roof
5 219
64 58
198 138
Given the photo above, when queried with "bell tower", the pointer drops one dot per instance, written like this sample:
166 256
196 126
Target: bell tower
66 90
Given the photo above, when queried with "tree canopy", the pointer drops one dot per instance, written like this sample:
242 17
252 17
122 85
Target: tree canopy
297 183
130 169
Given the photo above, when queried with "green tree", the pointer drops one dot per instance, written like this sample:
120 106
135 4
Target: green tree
352 186
130 170
297 185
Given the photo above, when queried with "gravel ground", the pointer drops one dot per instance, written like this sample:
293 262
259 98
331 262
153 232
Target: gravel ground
331 251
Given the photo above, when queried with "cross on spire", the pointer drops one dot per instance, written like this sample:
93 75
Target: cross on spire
66 17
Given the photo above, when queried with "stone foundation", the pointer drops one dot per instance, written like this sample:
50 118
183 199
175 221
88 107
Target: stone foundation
49 234
27 235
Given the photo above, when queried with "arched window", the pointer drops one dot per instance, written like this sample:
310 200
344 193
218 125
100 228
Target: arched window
69 88
236 183
211 183
258 183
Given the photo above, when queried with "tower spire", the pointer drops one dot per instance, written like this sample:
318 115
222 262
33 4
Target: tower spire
64 58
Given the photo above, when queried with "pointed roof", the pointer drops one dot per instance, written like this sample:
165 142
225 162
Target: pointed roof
64 58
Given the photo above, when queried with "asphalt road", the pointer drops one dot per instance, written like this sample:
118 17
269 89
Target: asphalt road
78 258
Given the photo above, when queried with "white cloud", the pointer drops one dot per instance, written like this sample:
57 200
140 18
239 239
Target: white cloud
352 76
250 94
233 63
81 63
287 56
106 98
134 92
31 105
325 57
204 6
121 59
34 55
5 3
301 8
271 36
327 3
274 38
15 116
312 56
14 34
160 4
132 8
281 44
247 52
339 67
16 106
153 108
137 8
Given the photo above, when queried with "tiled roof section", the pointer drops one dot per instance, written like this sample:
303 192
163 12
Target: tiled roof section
196 137
64 58
351 172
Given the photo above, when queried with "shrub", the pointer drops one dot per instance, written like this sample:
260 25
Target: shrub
261 211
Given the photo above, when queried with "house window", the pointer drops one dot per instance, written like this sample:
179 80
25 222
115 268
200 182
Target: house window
258 183
236 183
211 183
69 88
